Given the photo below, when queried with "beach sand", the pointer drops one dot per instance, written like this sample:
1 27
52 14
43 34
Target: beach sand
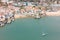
47 13
20 16
53 13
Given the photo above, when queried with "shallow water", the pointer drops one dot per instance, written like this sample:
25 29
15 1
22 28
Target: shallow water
47 28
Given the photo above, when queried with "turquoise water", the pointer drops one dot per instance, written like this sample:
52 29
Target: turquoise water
32 29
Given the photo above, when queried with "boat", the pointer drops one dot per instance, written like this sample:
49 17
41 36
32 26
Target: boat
37 16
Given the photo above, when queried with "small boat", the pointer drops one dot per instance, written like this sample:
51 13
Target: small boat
37 16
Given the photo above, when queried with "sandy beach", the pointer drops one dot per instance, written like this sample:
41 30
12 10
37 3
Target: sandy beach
47 14
53 13
20 16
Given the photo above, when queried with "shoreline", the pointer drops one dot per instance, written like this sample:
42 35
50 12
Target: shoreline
17 16
53 13
47 14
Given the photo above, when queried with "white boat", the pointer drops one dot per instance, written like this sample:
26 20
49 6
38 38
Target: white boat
37 16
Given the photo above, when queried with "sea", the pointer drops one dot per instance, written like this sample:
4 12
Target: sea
46 28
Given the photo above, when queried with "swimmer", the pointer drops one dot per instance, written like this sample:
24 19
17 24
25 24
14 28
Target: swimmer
44 34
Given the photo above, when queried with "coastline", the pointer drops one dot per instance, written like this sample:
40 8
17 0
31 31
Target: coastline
47 14
53 13
20 16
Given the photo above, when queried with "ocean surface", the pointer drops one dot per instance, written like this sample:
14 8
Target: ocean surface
46 28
